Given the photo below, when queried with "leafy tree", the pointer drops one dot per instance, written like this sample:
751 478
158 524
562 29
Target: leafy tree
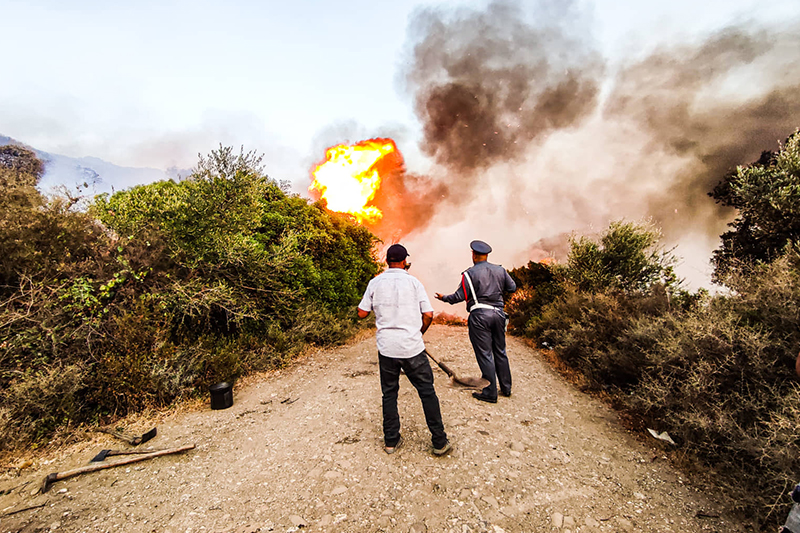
627 258
767 197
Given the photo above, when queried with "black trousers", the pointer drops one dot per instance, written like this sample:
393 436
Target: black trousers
487 333
419 373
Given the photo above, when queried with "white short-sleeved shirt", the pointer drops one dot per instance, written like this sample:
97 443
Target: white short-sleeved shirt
398 300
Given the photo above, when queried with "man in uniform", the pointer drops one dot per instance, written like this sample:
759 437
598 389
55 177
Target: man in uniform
403 313
482 286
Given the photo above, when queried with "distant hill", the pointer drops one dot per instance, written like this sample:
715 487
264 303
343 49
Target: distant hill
92 175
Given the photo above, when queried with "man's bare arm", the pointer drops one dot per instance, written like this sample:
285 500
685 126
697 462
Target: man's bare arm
427 318
362 313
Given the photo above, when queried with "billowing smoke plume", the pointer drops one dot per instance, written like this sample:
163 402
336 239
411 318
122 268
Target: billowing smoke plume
488 84
535 135
688 101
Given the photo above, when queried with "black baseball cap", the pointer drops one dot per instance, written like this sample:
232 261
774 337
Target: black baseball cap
396 253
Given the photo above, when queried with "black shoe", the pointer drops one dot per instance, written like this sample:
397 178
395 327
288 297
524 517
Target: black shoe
481 397
506 394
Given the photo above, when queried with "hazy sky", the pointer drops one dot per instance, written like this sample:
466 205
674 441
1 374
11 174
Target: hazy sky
151 83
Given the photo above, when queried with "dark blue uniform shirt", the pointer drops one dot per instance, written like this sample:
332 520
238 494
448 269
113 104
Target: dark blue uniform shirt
490 282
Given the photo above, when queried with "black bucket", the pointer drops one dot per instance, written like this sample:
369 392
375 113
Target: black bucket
221 395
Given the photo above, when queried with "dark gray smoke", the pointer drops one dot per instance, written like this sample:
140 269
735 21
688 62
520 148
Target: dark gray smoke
677 96
487 84
511 88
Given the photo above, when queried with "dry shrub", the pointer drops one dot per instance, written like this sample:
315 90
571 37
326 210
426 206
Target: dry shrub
447 319
590 333
36 403
716 372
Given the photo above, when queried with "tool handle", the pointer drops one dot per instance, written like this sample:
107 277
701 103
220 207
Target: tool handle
131 452
442 365
58 476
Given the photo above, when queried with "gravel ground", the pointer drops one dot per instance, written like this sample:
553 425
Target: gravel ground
302 449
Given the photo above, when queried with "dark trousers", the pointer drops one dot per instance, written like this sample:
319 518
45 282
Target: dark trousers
419 373
487 332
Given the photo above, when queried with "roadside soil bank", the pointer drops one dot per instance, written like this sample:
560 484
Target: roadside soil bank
302 448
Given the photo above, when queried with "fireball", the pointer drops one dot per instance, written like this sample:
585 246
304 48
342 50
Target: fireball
351 175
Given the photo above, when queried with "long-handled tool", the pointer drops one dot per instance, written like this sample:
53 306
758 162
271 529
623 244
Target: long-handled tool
133 440
108 453
473 383
58 476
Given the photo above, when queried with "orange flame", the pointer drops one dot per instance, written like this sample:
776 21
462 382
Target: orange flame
351 175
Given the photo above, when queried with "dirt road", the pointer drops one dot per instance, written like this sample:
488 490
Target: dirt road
302 449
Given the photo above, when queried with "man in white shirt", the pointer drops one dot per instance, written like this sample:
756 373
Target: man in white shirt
403 313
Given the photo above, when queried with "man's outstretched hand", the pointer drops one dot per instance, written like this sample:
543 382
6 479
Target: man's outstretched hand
438 296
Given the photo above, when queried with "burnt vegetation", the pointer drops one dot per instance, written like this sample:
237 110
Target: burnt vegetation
715 371
154 293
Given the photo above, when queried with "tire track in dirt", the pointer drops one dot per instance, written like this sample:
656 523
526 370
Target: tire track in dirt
302 449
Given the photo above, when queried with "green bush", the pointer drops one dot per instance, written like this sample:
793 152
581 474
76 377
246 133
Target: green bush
161 290
627 257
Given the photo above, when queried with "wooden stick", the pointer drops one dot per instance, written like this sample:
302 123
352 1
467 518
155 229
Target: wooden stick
58 476
25 509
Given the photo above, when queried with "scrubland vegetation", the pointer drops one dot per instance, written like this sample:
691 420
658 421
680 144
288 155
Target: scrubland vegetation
154 293
716 372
